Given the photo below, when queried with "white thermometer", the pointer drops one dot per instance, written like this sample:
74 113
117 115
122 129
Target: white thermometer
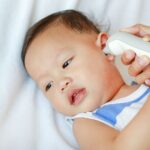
121 41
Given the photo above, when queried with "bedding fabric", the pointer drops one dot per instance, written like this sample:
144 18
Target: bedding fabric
27 120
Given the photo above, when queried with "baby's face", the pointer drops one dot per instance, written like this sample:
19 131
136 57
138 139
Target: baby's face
70 69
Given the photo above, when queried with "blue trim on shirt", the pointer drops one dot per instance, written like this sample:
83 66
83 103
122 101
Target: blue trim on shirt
108 113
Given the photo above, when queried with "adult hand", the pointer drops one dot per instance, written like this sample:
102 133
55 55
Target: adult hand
139 67
140 30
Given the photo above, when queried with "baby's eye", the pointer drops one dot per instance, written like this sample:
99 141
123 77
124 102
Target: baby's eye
48 86
66 63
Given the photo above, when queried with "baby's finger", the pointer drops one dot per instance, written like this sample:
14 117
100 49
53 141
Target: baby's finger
127 57
138 65
144 77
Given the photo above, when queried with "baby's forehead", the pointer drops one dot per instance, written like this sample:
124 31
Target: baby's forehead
53 32
57 38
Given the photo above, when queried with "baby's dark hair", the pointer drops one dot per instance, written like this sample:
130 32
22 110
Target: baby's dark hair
72 19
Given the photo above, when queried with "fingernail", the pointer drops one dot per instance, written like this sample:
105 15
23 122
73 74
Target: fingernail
143 60
146 38
128 54
147 81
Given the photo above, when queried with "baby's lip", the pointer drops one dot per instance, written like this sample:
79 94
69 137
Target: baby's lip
76 96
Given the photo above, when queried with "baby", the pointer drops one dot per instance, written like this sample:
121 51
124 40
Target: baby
63 54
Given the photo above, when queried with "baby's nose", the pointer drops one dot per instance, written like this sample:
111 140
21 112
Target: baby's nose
64 83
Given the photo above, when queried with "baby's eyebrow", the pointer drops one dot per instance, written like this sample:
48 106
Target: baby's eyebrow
61 56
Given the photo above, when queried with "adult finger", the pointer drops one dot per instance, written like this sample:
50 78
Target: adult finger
146 38
127 57
144 77
147 82
138 30
138 65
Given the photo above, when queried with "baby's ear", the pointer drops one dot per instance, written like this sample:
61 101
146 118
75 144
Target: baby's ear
102 39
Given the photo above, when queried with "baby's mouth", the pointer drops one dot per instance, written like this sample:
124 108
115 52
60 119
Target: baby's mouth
76 96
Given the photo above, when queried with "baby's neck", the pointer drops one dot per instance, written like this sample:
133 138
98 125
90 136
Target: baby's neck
125 90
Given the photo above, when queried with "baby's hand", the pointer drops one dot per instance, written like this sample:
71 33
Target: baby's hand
139 67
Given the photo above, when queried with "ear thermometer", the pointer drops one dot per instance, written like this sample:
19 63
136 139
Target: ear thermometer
122 41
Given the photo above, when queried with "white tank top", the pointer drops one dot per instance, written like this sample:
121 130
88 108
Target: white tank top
118 113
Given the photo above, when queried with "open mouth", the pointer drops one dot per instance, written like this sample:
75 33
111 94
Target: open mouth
77 95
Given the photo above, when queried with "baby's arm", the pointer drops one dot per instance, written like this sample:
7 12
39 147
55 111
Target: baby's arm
137 134
92 134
